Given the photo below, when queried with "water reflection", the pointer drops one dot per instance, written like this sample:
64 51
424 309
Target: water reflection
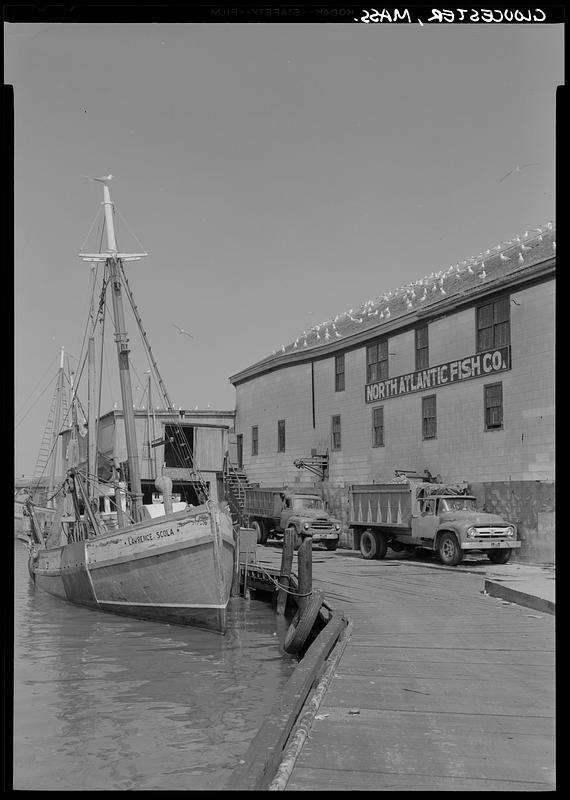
105 702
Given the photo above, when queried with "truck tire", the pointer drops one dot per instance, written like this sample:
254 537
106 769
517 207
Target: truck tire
499 556
448 550
302 625
373 545
257 527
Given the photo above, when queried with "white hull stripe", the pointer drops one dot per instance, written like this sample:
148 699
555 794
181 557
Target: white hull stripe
163 605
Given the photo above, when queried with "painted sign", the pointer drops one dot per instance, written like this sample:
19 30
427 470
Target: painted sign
476 366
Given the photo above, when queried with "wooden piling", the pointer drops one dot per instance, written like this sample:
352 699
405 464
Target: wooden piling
305 572
286 567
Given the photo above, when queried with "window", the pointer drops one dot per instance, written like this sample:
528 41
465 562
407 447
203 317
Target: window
336 432
254 440
422 349
281 436
179 445
493 406
378 427
339 373
429 422
377 361
493 324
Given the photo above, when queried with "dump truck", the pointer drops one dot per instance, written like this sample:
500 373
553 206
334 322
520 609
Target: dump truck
410 514
272 511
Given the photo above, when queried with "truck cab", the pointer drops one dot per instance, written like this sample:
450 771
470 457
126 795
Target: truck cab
307 514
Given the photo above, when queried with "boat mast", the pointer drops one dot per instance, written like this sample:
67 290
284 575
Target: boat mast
56 426
113 260
91 413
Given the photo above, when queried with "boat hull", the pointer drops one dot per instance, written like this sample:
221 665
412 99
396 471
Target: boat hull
172 569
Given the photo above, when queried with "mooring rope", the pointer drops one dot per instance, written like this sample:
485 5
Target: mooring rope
256 565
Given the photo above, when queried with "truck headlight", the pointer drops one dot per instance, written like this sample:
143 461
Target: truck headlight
510 531
306 526
337 526
471 531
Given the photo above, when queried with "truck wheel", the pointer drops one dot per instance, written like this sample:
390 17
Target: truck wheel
255 526
264 531
499 556
373 545
331 545
448 550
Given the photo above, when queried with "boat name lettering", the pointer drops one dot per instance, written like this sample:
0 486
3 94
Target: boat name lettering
149 537
165 532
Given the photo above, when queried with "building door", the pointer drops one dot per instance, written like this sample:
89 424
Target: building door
240 450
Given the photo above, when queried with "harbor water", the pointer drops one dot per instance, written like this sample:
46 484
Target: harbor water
103 702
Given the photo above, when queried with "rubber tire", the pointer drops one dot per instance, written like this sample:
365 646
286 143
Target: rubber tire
373 545
499 556
264 532
330 545
258 528
449 551
301 627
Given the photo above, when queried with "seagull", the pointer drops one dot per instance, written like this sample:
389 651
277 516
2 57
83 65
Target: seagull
518 168
104 179
180 330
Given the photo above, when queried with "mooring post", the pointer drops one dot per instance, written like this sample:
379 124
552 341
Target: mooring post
286 567
305 571
236 575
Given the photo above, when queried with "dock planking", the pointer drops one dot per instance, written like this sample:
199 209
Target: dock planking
440 687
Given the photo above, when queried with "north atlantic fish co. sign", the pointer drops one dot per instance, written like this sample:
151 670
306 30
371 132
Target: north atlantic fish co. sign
476 366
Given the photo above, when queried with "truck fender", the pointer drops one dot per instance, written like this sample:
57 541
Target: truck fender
439 533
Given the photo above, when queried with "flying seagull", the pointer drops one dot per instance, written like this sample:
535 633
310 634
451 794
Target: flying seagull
104 179
182 331
518 168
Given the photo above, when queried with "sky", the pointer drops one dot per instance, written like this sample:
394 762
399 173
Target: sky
276 174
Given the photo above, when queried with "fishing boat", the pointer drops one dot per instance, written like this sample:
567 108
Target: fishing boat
168 562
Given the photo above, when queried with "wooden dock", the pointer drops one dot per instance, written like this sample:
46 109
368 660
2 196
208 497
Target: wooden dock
438 687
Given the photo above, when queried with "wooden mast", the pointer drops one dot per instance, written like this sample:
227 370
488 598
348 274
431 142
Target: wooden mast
113 260
56 431
92 485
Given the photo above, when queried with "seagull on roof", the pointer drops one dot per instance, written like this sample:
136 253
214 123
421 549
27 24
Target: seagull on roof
518 168
104 179
180 330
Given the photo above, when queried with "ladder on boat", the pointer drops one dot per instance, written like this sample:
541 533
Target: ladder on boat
57 418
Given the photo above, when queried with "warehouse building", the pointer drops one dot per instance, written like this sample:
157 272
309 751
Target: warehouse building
451 376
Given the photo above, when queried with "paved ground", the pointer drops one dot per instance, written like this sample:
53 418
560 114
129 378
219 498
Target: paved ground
442 686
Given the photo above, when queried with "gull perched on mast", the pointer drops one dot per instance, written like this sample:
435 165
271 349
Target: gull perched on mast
104 179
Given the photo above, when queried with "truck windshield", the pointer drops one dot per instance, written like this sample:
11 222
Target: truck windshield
457 504
307 502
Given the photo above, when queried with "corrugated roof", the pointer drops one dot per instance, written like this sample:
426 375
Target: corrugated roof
508 259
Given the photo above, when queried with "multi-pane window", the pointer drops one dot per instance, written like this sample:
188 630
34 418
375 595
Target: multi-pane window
336 432
281 436
339 373
429 420
493 406
422 349
377 361
254 440
378 427
493 324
